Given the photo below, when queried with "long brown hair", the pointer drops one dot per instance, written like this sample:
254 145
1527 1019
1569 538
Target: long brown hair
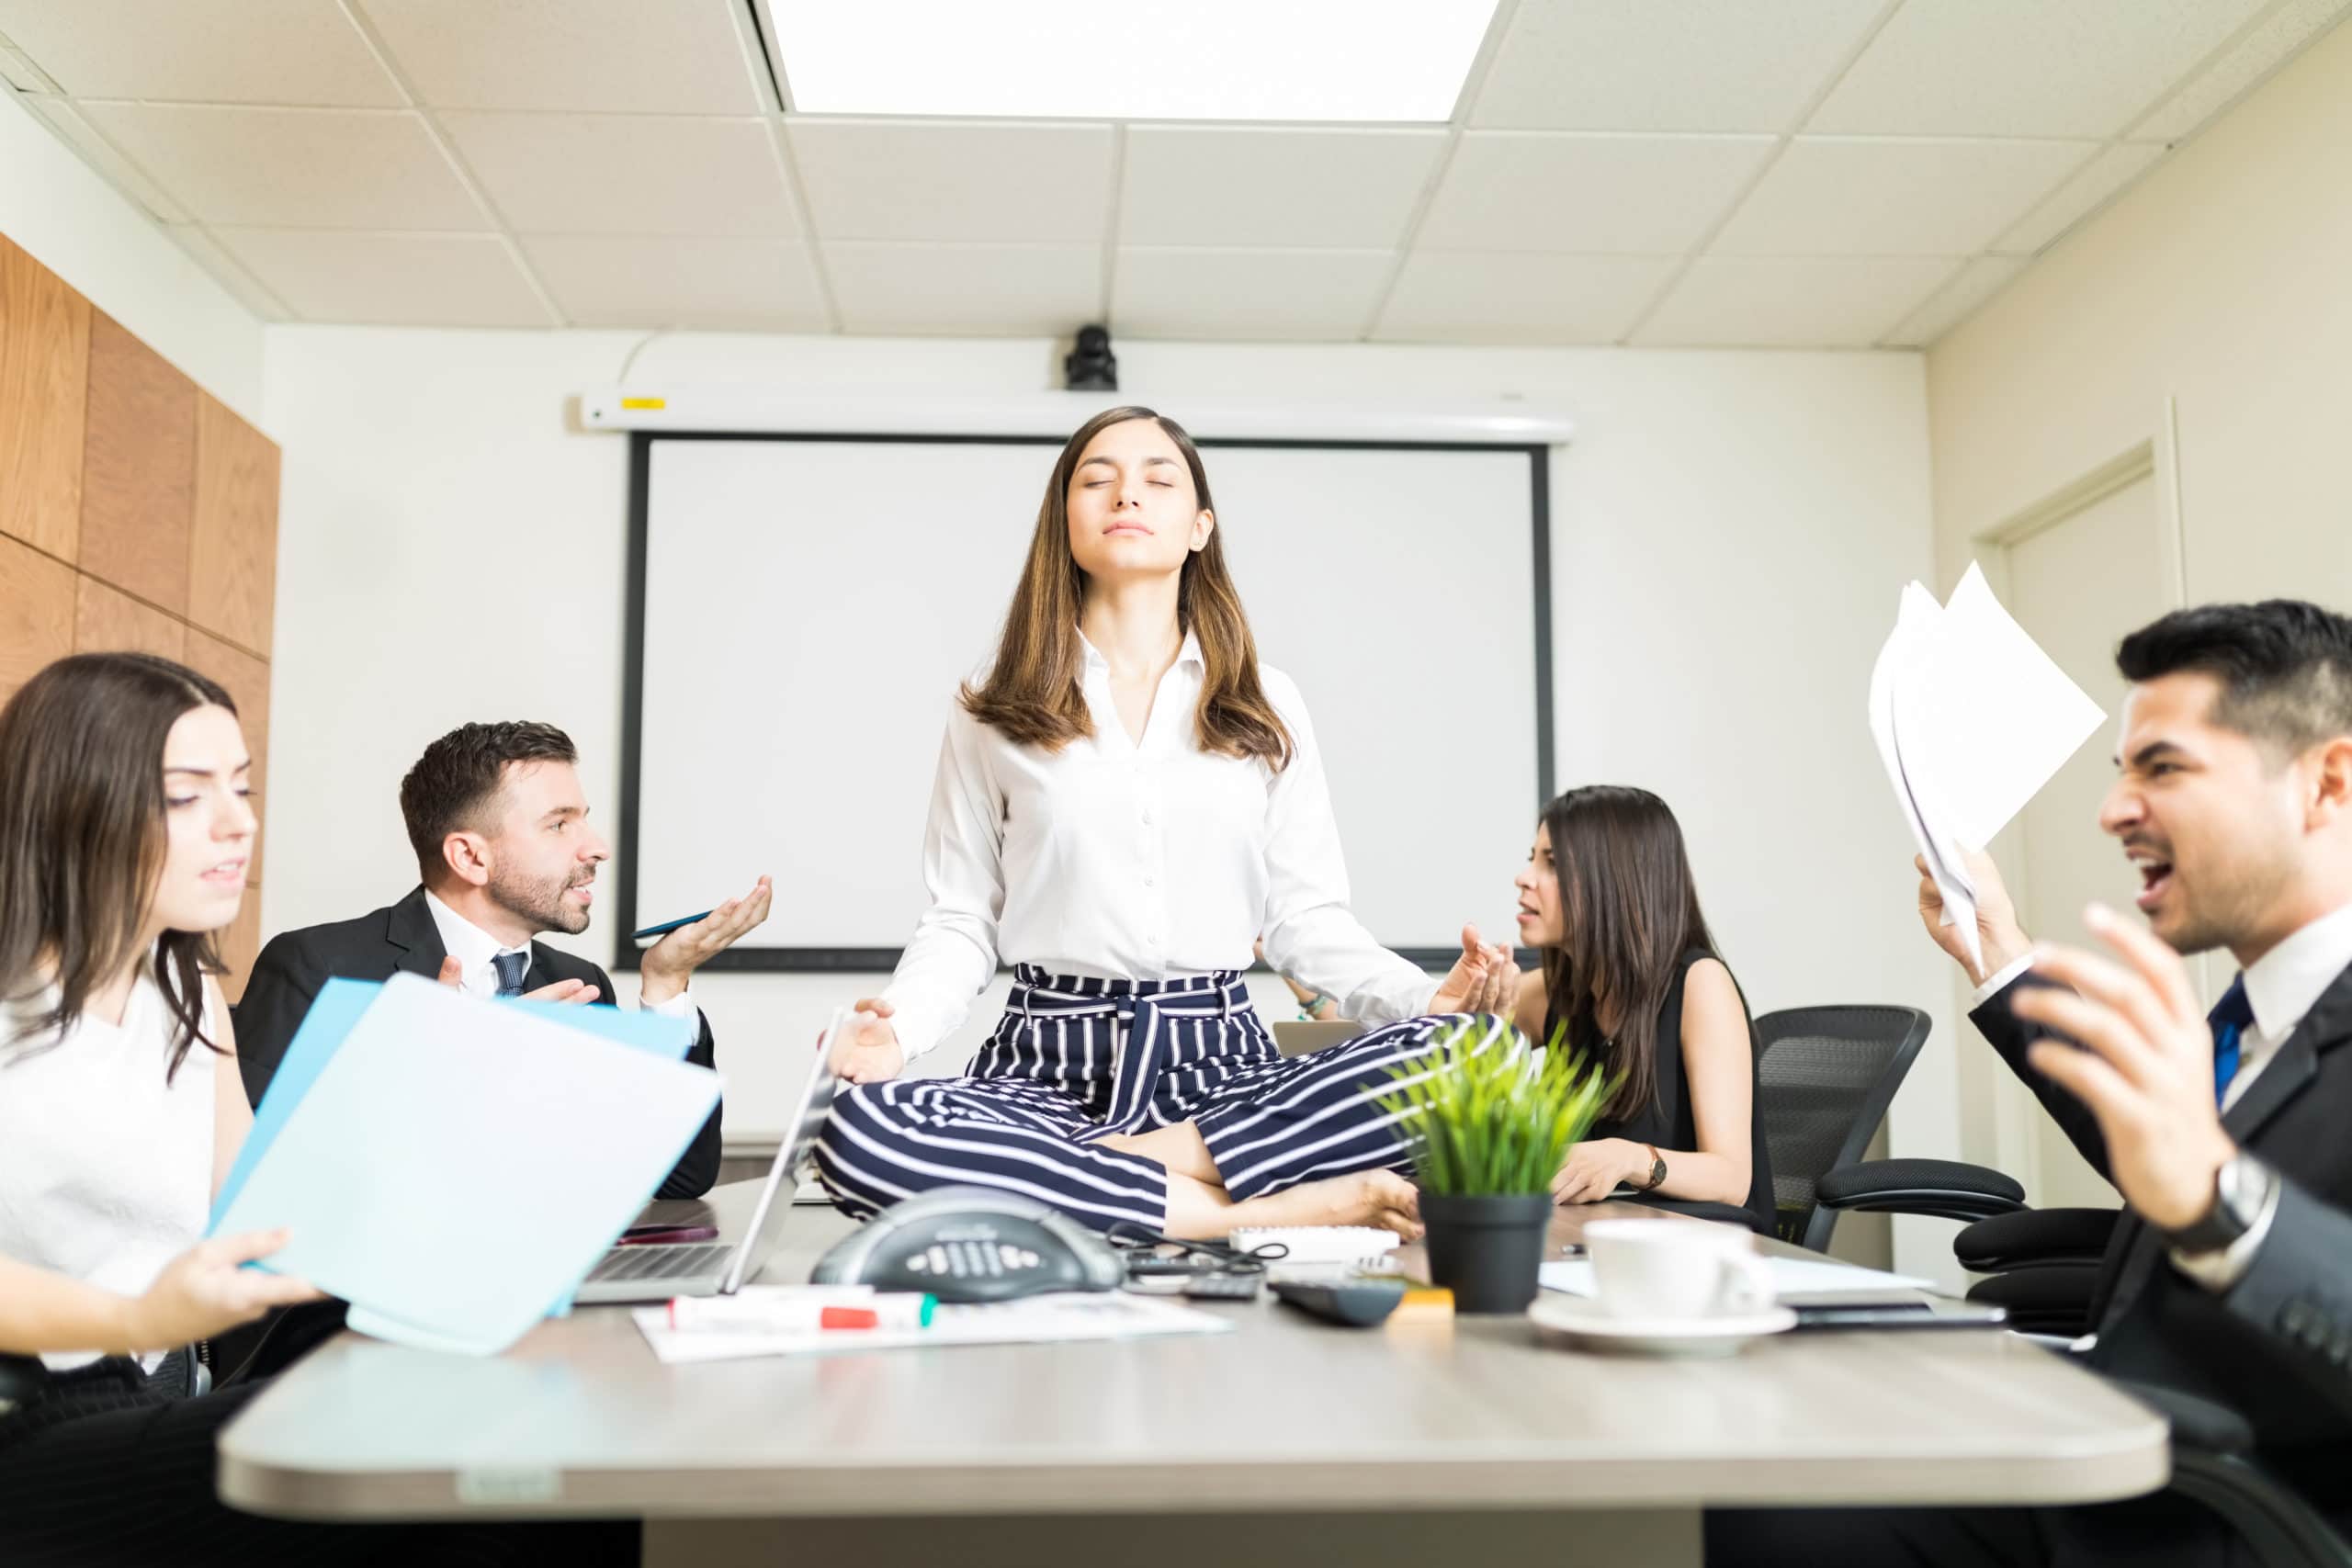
82 840
1032 694
1629 911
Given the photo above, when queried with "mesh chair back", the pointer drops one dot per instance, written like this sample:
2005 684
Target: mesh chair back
1827 1075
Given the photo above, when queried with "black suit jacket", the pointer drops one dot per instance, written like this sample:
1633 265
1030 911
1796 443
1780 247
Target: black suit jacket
403 939
2277 1346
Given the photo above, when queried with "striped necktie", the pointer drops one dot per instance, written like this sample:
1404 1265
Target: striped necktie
511 967
2229 1018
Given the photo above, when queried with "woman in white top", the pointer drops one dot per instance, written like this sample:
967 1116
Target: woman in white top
1124 802
124 838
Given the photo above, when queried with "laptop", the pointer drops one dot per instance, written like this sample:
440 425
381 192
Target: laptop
659 1271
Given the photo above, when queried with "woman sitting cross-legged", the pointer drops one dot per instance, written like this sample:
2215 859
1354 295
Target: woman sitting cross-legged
1123 801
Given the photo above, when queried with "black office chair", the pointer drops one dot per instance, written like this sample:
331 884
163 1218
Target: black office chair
1827 1075
2213 1462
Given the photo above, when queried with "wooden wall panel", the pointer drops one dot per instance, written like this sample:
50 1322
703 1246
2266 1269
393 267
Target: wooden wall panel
232 556
247 682
113 462
138 468
44 374
36 614
106 620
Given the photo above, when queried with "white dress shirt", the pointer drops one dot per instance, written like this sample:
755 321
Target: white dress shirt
2281 987
105 1167
473 948
1149 860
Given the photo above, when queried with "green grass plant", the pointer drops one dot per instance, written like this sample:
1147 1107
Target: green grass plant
1491 1116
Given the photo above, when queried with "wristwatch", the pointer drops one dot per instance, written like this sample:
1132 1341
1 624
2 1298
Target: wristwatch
2241 1188
1657 1170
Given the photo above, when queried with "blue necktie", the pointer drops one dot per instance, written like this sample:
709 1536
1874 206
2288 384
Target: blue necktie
512 966
2229 1018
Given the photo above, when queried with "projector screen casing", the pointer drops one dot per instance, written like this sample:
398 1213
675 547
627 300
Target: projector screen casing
1458 728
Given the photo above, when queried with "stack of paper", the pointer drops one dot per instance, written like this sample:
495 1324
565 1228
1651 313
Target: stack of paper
1971 719
1060 1315
452 1165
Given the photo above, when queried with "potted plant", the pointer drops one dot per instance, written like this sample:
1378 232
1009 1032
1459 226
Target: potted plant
1492 1118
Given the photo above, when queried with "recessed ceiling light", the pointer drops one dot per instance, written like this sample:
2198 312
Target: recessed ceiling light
1252 59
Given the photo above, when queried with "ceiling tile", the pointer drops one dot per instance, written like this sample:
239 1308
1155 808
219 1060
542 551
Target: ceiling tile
616 280
608 56
1293 295
448 280
294 168
231 273
2024 67
1836 195
2282 33
257 52
1667 64
566 174
1266 188
991 290
1956 301
1792 302
1471 297
2114 167
874 179
1510 191
72 128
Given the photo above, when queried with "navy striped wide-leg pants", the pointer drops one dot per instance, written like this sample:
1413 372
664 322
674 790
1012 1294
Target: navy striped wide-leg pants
1075 1061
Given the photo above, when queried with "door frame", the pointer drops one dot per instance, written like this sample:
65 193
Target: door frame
2016 1113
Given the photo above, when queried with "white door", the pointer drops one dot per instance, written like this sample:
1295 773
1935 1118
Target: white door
2078 586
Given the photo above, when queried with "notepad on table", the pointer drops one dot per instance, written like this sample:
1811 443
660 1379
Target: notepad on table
1046 1319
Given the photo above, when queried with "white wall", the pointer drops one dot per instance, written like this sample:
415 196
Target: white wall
1730 531
72 221
2215 287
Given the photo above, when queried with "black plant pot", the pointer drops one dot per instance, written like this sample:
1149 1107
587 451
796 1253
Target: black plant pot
1487 1249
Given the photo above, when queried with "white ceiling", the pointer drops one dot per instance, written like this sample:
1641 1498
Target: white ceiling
1806 173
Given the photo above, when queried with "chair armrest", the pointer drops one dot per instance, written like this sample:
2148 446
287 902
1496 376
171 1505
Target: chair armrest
1944 1188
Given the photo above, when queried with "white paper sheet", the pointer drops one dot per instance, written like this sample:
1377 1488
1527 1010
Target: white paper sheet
1056 1316
1971 719
1791 1277
458 1165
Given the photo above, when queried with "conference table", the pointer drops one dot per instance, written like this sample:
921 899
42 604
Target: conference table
1289 1440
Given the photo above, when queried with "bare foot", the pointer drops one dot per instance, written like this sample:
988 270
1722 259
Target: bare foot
1380 1197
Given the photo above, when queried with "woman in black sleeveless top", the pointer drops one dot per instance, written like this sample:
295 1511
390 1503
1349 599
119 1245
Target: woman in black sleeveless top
1629 969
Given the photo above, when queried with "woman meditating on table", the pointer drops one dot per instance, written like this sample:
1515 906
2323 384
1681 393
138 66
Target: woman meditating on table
1607 899
1125 800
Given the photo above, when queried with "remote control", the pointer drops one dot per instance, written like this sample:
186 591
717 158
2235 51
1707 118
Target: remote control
1359 1304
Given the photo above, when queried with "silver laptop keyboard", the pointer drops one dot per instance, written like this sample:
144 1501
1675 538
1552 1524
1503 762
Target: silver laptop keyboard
676 1262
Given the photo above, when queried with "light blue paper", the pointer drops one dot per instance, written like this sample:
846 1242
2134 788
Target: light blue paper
339 1004
433 1108
333 1012
671 1037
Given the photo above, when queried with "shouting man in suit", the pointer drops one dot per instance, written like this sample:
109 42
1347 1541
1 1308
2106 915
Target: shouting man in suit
2227 1289
499 827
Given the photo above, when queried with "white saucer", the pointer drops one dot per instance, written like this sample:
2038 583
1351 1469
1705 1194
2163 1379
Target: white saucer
1590 1326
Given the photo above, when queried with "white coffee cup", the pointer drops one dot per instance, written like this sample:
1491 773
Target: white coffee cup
1677 1269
